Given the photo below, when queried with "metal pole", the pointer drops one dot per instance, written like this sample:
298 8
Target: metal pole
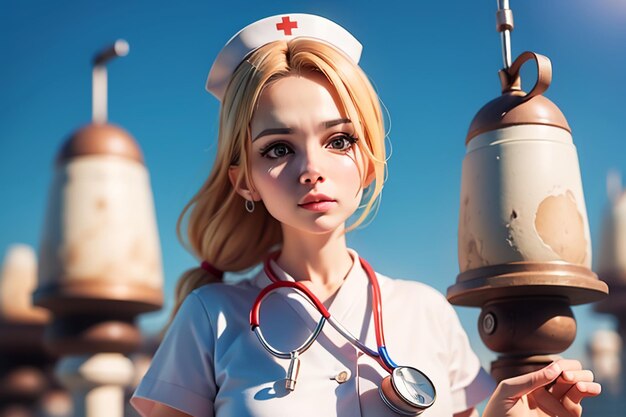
99 83
504 25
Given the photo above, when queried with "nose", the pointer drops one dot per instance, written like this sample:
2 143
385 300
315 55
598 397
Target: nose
311 172
311 177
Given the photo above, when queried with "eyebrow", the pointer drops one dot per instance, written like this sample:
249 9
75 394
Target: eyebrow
288 131
274 131
336 122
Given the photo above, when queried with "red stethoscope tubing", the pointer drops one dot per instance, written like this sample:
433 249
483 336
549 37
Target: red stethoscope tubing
377 307
376 304
254 312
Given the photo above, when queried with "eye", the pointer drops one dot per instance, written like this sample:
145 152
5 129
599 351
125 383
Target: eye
276 150
342 142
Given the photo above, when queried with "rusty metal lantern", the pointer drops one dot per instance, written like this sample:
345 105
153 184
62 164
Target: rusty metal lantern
23 359
524 243
100 262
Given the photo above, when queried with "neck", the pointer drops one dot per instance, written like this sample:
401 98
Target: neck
321 259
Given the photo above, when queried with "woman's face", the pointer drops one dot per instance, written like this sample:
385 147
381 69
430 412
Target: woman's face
304 163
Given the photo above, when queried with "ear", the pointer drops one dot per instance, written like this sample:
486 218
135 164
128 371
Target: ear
240 186
370 174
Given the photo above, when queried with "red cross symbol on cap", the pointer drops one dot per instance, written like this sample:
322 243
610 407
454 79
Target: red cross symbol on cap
286 25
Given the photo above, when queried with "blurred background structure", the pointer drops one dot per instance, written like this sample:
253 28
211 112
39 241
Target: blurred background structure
606 348
433 63
27 384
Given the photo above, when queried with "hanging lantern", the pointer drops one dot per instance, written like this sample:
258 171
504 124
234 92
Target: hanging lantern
524 245
100 262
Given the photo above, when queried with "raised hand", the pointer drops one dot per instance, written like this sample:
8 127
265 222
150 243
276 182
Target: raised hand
555 390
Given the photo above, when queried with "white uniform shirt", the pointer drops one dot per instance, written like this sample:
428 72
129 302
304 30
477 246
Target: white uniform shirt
211 363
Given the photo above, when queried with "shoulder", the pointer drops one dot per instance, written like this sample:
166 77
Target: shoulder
224 301
225 291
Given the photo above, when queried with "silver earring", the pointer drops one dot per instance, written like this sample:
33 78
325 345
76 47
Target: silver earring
249 206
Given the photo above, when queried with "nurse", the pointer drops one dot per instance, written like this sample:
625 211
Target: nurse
301 149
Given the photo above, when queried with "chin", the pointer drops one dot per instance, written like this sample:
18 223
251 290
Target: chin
320 229
318 226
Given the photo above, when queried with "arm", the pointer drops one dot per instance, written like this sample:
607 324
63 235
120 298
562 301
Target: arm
181 374
162 410
467 413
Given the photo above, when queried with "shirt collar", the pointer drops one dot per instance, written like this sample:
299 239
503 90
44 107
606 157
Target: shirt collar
351 300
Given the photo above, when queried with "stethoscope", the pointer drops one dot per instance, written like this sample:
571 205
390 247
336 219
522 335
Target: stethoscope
406 390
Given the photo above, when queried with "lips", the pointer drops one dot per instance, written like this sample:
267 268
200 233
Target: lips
315 198
317 202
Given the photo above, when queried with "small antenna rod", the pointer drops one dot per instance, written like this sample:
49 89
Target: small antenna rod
504 25
99 80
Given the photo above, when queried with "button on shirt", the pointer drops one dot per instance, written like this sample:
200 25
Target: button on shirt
342 377
211 363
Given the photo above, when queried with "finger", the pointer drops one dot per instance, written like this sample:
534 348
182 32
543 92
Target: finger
567 378
551 405
525 384
573 408
572 377
569 364
581 390
571 401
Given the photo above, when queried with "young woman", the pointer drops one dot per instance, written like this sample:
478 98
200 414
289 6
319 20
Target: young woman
301 150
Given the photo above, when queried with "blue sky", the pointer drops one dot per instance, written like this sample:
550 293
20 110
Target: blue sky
434 65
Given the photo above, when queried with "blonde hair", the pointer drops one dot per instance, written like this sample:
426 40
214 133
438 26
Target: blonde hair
216 214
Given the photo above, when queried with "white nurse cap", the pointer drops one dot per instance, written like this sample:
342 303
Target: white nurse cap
280 27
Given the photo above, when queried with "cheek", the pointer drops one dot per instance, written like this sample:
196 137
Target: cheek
348 169
269 179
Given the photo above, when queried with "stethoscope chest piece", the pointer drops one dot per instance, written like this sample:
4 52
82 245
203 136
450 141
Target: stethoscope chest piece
407 391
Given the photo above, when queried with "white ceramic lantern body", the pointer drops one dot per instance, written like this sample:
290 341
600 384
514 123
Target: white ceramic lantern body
101 225
18 280
522 199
